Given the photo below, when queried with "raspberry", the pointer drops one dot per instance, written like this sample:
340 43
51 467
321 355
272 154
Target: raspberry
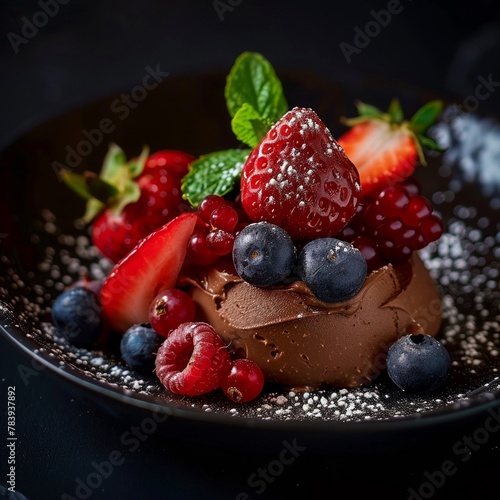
244 381
193 360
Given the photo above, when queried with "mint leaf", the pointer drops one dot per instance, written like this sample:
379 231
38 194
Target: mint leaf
248 126
426 116
214 173
252 80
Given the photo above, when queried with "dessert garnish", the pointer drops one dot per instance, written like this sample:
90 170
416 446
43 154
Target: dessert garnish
130 199
193 360
76 314
418 363
384 146
138 347
295 261
300 179
264 254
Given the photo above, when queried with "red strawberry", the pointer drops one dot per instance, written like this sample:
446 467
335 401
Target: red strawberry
300 179
131 199
384 147
153 265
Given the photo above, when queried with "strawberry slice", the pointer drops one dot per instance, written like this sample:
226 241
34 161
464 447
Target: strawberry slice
152 265
386 148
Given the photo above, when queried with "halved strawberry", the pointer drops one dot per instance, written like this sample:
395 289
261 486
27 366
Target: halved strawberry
152 265
384 147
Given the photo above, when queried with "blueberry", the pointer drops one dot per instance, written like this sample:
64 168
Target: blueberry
418 363
76 314
333 269
263 254
138 347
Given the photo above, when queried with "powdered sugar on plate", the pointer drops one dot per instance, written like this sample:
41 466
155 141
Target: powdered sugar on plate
464 263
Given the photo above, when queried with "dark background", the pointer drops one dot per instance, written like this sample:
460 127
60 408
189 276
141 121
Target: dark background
94 49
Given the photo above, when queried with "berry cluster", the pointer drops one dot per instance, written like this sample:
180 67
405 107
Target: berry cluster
194 360
264 255
191 361
215 232
392 222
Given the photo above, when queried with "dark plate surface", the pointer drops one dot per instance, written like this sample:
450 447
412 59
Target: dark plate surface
42 250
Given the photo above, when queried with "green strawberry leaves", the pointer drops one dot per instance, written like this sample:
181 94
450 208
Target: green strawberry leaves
417 126
395 111
214 173
426 116
114 187
255 101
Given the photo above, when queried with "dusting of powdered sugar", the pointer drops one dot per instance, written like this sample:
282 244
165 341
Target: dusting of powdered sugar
473 144
464 264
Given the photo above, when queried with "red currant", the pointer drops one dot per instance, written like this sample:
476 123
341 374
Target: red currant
170 309
208 205
220 242
392 252
244 381
225 218
411 186
392 222
197 251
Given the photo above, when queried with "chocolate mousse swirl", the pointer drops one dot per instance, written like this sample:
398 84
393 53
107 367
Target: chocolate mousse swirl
304 343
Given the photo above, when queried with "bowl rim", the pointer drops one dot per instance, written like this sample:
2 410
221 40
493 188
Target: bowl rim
475 402
447 414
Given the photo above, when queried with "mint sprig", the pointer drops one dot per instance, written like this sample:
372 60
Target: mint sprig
214 173
255 101
253 83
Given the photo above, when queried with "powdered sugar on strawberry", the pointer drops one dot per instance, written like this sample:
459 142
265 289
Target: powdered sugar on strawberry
299 178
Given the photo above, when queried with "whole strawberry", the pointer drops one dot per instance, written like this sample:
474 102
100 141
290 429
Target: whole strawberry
130 199
300 179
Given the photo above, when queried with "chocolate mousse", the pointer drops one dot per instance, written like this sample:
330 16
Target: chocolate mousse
304 343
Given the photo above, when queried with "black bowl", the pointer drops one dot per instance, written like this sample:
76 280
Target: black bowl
42 250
